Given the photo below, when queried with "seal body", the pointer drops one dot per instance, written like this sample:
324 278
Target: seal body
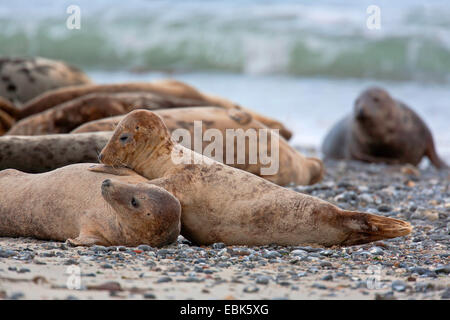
172 88
224 204
35 154
293 167
67 116
22 79
86 208
381 129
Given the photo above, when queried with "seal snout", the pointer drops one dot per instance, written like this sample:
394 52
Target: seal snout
100 158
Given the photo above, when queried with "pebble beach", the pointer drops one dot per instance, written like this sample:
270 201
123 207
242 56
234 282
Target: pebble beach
413 267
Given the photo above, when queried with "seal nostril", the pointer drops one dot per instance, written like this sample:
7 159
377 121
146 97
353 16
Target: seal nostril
106 183
100 157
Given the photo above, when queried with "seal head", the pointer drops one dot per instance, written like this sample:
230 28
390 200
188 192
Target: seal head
149 212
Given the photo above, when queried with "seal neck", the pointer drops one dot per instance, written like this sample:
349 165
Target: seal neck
155 162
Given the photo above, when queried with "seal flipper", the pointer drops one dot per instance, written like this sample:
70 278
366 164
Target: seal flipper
111 170
365 227
431 153
83 240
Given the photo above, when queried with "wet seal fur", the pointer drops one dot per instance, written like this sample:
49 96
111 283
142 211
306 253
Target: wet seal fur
173 88
293 167
224 204
381 129
87 208
22 79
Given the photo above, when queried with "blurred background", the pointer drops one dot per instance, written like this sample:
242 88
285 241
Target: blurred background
302 62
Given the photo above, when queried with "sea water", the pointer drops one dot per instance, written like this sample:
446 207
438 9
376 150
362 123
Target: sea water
301 62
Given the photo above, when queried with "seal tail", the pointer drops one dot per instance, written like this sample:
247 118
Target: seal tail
367 227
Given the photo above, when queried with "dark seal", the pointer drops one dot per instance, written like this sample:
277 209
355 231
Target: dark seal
381 129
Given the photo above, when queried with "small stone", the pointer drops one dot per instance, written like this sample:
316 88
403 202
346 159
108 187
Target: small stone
106 266
98 249
144 247
218 245
16 296
149 296
443 269
319 286
251 289
328 277
398 286
7 253
299 252
384 208
446 294
376 251
325 264
262 280
164 279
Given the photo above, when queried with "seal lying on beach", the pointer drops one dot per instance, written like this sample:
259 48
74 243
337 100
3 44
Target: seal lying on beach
87 208
35 154
67 116
48 152
293 166
381 129
172 88
224 204
22 79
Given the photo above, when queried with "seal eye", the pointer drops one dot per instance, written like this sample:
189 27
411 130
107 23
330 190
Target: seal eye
137 127
124 138
134 203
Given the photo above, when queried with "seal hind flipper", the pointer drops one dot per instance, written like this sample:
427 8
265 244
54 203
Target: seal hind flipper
369 227
431 153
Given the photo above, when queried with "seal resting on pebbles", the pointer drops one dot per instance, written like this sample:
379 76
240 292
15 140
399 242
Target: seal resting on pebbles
293 166
381 129
22 79
35 154
87 208
173 88
224 204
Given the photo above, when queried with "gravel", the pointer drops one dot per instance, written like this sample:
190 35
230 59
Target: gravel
412 267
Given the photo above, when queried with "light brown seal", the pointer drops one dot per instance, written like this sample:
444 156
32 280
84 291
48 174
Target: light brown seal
381 129
67 116
172 88
224 204
48 152
87 208
22 79
293 167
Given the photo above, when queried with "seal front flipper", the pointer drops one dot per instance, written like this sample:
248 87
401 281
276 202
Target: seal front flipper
111 170
85 240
